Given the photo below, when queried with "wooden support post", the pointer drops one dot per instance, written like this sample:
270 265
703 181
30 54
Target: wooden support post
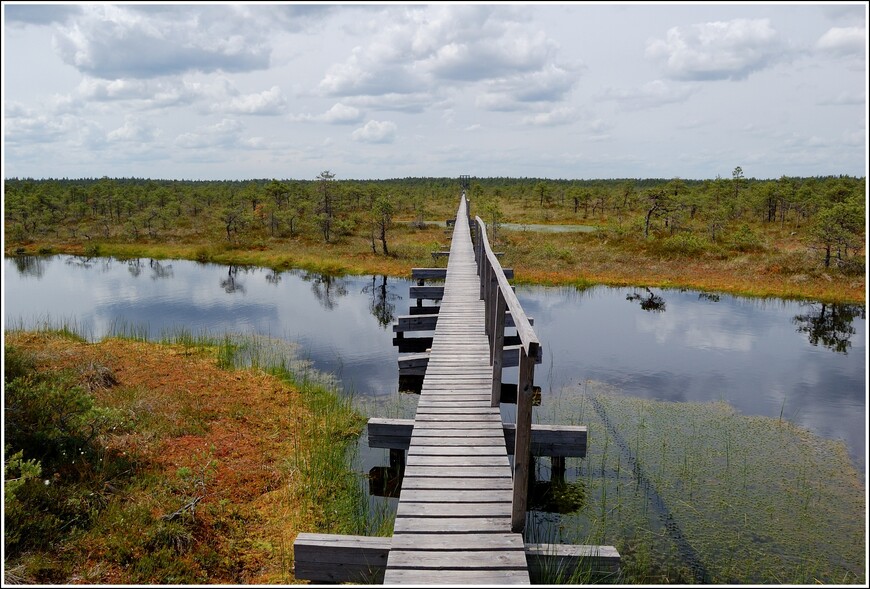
557 468
523 439
495 357
397 460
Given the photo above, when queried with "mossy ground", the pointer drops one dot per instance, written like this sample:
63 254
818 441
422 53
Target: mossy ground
266 456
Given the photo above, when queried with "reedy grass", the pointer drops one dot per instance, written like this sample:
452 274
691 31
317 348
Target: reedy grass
758 500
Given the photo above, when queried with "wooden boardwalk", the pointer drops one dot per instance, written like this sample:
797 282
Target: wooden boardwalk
453 523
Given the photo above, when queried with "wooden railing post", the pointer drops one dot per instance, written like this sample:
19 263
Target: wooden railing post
522 458
497 348
494 293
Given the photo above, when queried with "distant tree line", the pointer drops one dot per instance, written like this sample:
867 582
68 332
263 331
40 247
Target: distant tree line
827 213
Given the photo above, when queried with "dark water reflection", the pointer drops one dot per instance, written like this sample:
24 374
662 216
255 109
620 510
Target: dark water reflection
804 361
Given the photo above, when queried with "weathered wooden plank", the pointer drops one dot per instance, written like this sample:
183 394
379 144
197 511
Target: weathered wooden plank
454 418
408 509
510 358
457 483
428 273
563 560
419 449
415 323
465 541
480 560
466 400
455 577
427 442
412 345
457 461
325 558
429 410
440 273
475 472
552 440
432 427
428 321
431 293
478 524
477 496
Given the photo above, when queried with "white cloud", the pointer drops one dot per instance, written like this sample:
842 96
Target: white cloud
375 132
363 74
25 126
111 41
415 102
650 95
558 116
845 98
717 50
268 102
342 114
132 131
226 133
844 41
549 84
338 114
424 50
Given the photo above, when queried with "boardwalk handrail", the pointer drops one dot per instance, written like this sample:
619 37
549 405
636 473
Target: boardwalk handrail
498 297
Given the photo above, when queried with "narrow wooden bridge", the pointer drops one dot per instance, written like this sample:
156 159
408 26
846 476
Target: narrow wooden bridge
462 506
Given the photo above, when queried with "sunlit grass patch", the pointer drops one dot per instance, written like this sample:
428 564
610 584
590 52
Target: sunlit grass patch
699 492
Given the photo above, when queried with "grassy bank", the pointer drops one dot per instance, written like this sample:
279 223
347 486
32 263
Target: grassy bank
196 460
779 267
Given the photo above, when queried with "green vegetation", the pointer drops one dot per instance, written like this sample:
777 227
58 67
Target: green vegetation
128 462
791 237
695 492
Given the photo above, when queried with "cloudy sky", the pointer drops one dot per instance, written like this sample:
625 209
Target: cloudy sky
570 90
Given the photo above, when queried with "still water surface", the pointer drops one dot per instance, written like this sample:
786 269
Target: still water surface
804 361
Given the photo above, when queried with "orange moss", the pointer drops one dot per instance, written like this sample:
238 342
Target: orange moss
247 423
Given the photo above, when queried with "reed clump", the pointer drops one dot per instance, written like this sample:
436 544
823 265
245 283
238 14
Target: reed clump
697 492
